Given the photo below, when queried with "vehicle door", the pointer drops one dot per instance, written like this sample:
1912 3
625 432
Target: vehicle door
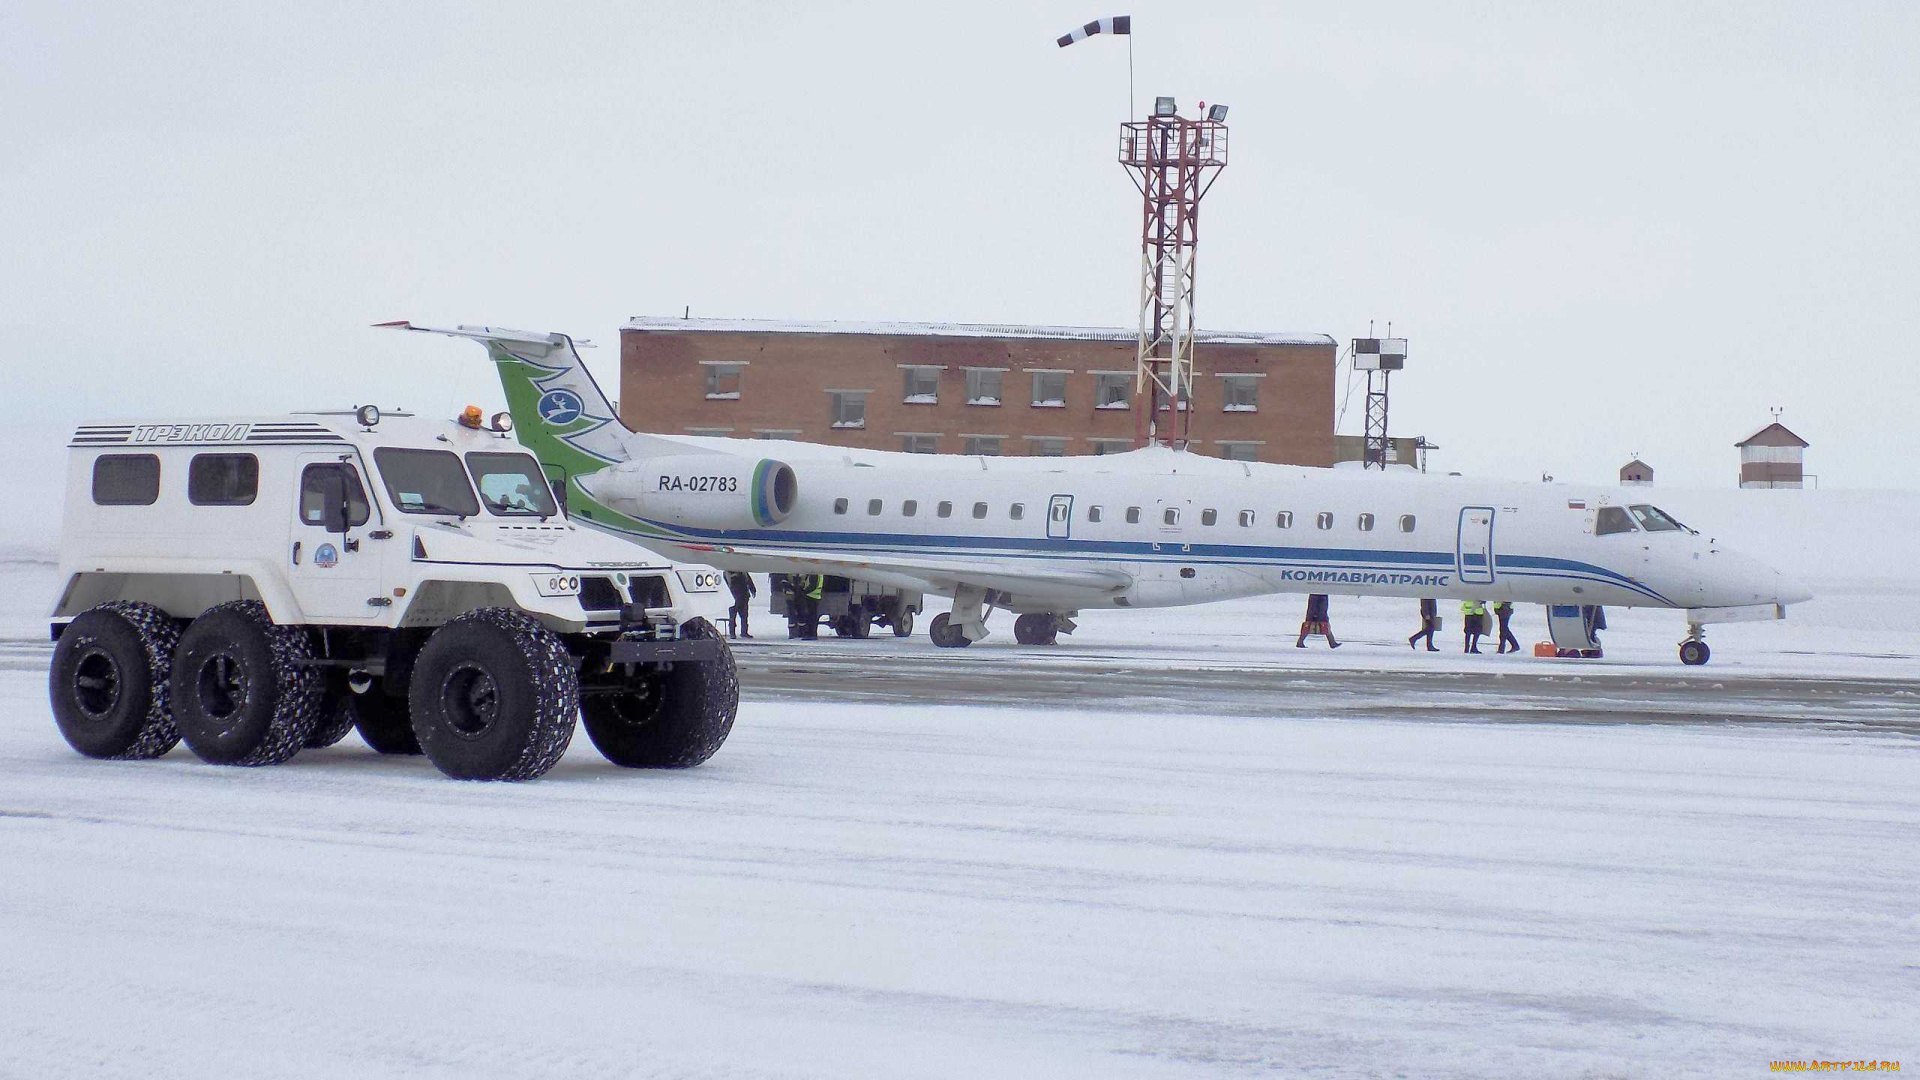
333 574
1473 552
1060 517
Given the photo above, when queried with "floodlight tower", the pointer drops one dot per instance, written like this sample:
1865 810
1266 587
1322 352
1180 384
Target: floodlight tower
1173 161
1378 357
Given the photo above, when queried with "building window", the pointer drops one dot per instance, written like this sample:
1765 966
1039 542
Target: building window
1111 391
849 408
126 479
1242 393
1017 511
1240 451
909 508
1050 389
1283 520
1324 521
922 385
873 507
776 433
1133 515
919 443
1406 523
945 509
1093 514
1246 519
1171 517
839 506
1209 516
713 432
980 510
223 479
1046 447
1366 522
723 381
983 386
983 446
1111 446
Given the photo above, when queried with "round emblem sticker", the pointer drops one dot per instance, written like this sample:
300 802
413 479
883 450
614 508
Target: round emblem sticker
325 556
560 407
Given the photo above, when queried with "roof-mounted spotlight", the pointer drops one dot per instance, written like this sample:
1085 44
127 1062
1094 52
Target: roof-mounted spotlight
367 415
1165 106
502 422
1217 114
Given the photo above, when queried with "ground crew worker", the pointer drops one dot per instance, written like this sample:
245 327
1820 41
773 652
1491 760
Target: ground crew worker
1316 621
809 589
1429 624
1503 610
1473 613
741 585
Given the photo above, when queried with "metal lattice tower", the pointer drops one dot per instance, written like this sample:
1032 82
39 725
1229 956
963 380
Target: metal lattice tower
1173 161
1378 357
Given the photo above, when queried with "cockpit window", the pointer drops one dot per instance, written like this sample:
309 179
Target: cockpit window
511 485
1611 519
1653 519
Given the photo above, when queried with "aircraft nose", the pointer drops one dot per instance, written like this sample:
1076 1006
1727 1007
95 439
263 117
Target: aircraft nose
1788 591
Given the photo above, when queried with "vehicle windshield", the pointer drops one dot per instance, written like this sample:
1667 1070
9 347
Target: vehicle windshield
511 485
1611 519
425 481
1653 519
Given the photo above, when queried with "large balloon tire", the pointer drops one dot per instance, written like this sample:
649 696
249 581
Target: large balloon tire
677 720
108 684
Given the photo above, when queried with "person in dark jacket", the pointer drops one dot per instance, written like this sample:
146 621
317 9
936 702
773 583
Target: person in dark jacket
1473 617
741 585
1429 625
1503 610
1316 621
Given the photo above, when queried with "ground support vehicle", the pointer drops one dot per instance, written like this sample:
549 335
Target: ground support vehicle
259 585
851 609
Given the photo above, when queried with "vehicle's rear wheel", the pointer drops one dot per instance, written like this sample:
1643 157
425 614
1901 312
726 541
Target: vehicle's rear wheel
495 696
945 634
242 691
674 719
108 683
860 623
903 622
336 713
382 721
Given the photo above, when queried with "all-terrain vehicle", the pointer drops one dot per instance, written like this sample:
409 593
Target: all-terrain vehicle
255 586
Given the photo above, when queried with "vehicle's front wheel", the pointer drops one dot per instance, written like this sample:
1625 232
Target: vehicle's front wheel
108 684
674 719
945 634
242 690
381 719
495 696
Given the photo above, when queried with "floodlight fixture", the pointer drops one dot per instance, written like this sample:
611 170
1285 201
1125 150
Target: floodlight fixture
1217 114
1165 106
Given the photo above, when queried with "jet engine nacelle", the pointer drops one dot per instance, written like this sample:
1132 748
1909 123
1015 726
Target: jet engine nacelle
709 491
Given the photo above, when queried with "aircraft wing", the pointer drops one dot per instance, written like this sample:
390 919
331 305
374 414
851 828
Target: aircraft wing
943 576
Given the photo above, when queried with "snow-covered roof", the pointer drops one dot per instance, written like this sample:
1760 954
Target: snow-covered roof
670 324
1773 440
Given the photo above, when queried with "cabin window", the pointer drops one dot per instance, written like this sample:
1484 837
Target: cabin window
723 381
1209 516
1060 511
849 408
1049 389
1366 522
980 510
873 507
1171 517
1112 391
919 444
1017 511
426 481
945 510
1283 519
1406 523
1133 515
983 446
126 479
1093 514
1611 519
922 385
983 386
909 508
313 493
1323 521
839 506
223 479
1653 519
1246 519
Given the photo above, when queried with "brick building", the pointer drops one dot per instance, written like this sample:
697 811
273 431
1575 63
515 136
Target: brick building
955 388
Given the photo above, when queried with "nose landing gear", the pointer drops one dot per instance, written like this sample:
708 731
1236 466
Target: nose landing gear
1694 651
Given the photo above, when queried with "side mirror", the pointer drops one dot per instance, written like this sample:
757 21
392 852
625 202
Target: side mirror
333 501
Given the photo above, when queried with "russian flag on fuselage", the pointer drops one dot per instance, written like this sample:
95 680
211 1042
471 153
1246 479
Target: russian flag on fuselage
1113 24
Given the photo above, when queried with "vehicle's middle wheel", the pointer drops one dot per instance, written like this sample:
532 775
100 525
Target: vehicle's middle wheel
241 690
903 622
1694 653
336 713
859 623
674 719
495 696
945 634
381 719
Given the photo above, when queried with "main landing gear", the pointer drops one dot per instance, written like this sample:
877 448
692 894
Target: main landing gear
1694 651
1042 628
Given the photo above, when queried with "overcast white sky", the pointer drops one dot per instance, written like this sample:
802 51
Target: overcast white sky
1607 228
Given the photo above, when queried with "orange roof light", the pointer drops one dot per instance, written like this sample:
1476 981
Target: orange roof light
470 416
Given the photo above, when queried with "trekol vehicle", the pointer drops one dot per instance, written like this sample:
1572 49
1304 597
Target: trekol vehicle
259 585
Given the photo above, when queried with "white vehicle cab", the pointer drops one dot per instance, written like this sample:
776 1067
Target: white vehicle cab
259 585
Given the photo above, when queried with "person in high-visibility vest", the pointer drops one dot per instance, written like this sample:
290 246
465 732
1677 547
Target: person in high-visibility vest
1474 614
808 590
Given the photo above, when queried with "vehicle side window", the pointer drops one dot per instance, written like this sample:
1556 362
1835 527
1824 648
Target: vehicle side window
1611 519
1209 516
909 508
126 479
223 479
945 509
426 481
1283 520
312 512
1133 515
839 506
1406 523
1323 521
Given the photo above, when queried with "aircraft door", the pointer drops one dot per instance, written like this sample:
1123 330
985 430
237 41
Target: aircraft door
1473 553
332 573
1060 517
